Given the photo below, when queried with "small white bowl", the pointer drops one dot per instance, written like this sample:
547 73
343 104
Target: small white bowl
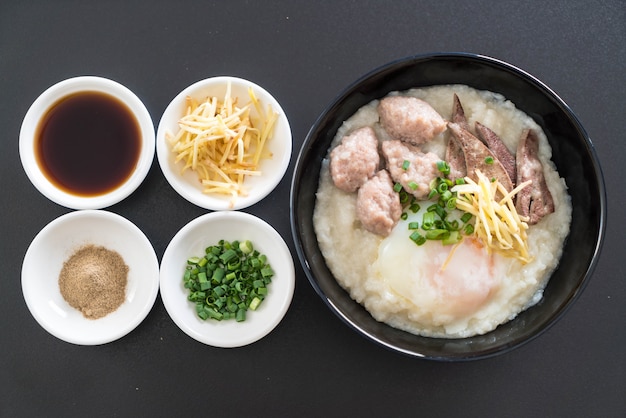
41 106
188 184
192 240
55 243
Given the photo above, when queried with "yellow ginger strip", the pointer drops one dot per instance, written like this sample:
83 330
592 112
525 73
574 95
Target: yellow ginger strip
222 143
497 225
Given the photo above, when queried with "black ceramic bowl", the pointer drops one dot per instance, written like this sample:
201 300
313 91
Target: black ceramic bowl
573 154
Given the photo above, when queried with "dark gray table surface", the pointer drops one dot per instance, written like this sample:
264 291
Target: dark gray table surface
304 53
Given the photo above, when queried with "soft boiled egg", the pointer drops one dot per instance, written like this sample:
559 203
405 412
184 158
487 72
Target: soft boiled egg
447 284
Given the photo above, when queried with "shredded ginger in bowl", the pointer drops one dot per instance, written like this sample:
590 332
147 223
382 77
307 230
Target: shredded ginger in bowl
498 225
222 142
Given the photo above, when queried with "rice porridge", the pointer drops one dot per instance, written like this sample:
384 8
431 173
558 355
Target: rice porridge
404 284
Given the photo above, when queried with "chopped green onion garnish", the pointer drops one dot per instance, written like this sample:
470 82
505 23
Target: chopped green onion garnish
443 167
439 210
228 255
230 279
218 275
241 315
417 238
489 160
435 224
397 187
437 234
428 220
404 196
255 303
452 226
406 164
246 247
466 217
452 238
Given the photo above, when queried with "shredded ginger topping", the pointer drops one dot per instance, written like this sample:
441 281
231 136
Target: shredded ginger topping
222 142
498 225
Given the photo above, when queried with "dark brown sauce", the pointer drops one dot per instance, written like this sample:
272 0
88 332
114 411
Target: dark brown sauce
88 143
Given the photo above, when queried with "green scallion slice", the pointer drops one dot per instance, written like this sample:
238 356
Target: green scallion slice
404 197
417 238
428 220
452 238
436 234
443 167
465 218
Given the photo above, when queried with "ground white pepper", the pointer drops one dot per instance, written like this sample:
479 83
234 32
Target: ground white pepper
93 280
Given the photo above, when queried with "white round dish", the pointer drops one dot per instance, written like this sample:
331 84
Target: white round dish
49 98
55 243
187 184
192 240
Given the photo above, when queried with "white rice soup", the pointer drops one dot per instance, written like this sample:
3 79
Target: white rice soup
397 281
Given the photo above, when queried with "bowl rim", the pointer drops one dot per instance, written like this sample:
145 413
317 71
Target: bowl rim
483 59
45 101
269 183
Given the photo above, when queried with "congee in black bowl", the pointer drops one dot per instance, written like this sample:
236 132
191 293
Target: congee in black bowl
448 206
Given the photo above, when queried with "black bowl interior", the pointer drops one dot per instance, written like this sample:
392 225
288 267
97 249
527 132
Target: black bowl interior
573 155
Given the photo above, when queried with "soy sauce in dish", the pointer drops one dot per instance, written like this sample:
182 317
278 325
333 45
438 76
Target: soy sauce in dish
88 143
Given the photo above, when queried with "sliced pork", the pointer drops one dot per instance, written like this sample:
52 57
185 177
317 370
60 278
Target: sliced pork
458 113
535 200
454 153
479 157
499 149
